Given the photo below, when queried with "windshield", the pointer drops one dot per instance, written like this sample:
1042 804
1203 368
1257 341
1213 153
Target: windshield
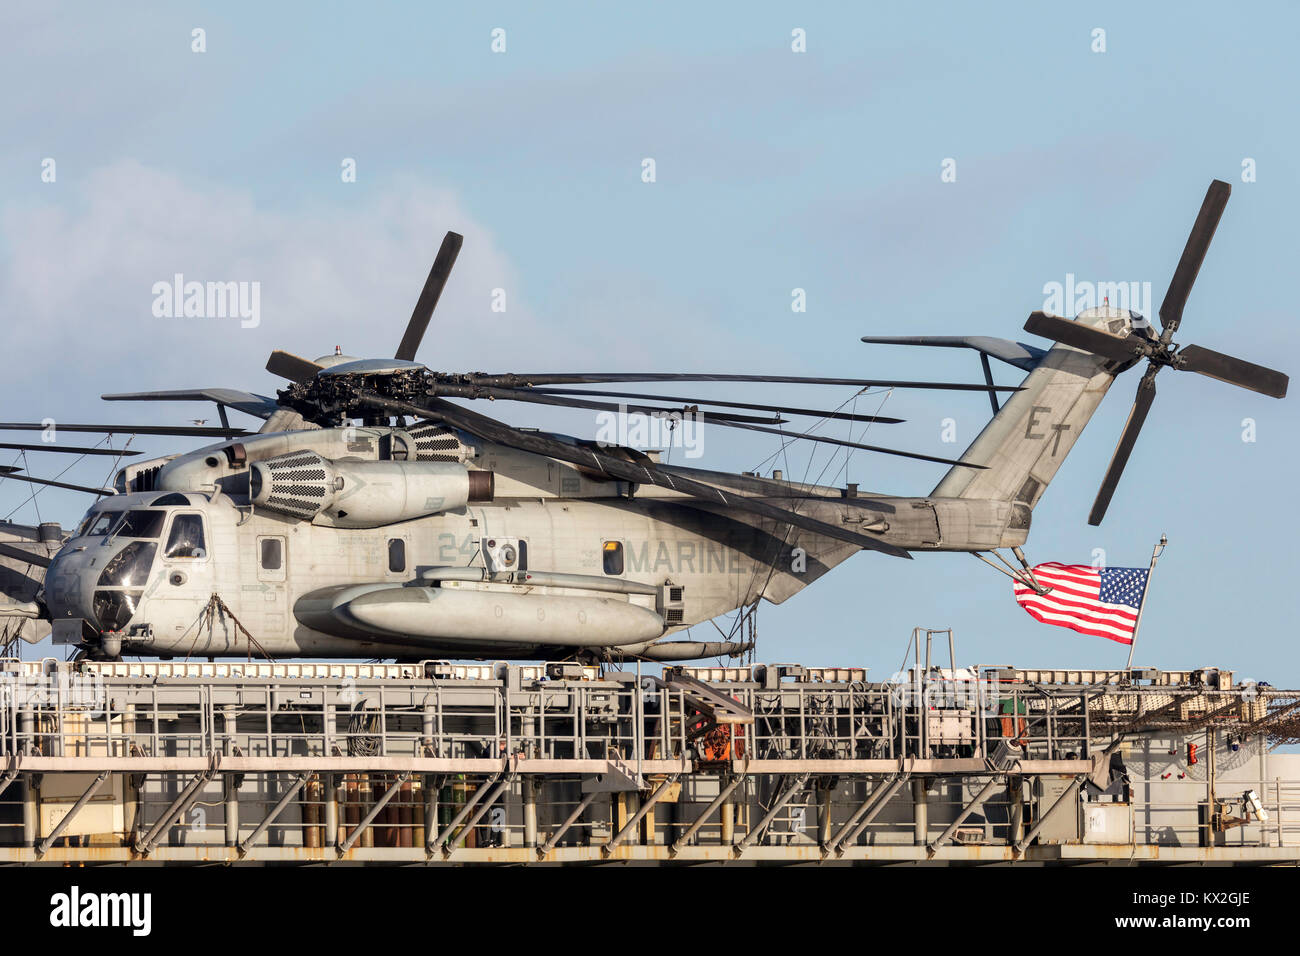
140 524
130 566
98 522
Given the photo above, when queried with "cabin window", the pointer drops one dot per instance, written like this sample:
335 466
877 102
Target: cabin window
396 555
271 554
613 557
186 538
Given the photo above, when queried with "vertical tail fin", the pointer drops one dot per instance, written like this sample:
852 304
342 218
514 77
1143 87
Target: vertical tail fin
1025 443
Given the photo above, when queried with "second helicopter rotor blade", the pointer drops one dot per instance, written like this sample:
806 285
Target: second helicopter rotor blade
1234 371
1146 394
7 471
429 296
20 554
69 449
1198 242
177 431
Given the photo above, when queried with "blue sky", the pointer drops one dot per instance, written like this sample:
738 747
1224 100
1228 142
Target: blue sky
775 170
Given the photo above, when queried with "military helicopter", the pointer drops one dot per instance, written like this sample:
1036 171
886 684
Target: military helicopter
372 516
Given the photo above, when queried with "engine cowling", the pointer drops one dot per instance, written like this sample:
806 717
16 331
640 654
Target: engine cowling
363 494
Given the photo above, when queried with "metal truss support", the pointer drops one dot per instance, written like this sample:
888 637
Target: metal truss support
966 812
549 845
1062 800
369 818
529 794
703 818
646 807
484 806
331 808
920 810
251 840
436 840
230 794
174 811
869 810
84 799
777 807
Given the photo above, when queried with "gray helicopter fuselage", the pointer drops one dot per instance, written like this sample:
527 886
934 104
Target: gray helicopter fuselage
199 567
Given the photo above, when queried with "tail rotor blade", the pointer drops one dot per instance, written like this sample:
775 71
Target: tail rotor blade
1146 394
1234 371
1084 337
429 296
1207 220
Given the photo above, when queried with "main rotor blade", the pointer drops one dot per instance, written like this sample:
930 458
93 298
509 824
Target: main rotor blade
180 431
1084 337
826 440
748 422
563 401
521 380
1146 394
778 409
18 554
1198 242
292 367
7 471
429 296
499 432
1234 371
67 449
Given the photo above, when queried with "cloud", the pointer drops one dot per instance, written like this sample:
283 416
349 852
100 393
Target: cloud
77 282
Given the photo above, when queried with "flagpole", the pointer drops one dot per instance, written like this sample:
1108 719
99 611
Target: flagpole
1155 556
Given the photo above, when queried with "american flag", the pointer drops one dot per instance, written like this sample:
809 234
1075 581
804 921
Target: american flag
1099 601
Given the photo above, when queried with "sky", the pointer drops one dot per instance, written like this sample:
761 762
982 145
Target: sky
1076 153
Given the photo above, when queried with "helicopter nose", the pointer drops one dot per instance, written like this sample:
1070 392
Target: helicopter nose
69 586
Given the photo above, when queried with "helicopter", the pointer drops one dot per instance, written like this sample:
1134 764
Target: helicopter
372 515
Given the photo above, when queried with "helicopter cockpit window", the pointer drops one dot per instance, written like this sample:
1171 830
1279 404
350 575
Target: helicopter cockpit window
613 557
140 524
98 522
186 539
